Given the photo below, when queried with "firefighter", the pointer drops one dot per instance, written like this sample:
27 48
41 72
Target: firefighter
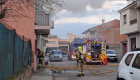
40 56
79 57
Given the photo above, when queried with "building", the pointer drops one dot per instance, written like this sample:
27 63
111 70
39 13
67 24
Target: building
53 42
109 32
63 44
21 18
130 24
71 37
43 24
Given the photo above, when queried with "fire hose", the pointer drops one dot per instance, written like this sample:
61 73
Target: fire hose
89 68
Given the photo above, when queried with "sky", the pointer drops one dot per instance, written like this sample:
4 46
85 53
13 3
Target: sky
80 15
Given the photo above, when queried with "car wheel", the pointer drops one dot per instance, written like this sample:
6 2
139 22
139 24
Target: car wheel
116 60
119 78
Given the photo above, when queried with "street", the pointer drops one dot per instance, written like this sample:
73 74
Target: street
41 38
71 74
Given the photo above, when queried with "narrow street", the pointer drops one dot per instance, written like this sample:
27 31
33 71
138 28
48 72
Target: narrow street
46 74
69 39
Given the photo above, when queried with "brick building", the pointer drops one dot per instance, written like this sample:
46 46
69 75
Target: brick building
21 18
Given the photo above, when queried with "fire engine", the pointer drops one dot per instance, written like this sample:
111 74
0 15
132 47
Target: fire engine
73 48
95 52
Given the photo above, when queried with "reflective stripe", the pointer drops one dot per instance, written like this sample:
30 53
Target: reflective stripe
79 72
88 56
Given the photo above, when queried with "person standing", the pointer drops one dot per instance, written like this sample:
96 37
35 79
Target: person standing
79 56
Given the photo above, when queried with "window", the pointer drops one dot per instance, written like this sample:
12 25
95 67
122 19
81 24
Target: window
128 59
125 19
51 42
110 52
56 52
136 63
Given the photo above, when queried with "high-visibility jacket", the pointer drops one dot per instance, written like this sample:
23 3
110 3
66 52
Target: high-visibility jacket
79 55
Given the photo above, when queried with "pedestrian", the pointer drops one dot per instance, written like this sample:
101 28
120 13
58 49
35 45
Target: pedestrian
79 56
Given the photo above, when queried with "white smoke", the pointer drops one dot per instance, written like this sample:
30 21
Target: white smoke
77 6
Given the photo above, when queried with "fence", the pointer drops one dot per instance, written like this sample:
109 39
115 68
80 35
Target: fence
15 52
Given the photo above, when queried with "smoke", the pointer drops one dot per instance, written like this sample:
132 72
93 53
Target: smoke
78 6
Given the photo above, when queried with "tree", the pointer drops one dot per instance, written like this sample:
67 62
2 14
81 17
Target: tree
48 6
15 8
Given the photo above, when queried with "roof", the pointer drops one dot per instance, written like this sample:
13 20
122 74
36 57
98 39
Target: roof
86 31
128 6
92 31
111 24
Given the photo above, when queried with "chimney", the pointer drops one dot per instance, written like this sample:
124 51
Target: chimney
103 21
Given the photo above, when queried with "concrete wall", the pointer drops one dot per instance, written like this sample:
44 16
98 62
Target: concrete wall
118 50
138 19
133 14
127 28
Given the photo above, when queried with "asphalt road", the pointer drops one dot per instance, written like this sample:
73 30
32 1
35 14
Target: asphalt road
71 74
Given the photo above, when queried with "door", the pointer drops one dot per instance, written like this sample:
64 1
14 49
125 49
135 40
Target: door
133 43
135 69
124 48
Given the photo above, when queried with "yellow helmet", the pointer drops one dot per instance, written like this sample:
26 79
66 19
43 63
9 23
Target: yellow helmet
80 48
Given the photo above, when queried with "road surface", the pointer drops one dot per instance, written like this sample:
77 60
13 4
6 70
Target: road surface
71 74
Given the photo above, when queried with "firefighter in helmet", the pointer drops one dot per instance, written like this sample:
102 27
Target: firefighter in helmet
79 56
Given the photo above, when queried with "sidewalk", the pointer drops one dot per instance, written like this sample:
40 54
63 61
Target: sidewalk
42 74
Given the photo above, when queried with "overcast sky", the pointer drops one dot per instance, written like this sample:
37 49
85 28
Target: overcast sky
80 15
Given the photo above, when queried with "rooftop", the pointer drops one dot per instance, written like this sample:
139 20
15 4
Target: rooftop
111 24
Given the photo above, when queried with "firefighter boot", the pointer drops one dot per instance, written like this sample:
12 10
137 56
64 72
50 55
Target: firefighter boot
79 75
82 74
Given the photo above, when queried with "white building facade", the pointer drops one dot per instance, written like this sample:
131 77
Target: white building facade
130 24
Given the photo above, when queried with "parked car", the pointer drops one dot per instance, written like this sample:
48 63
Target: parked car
111 55
56 55
129 67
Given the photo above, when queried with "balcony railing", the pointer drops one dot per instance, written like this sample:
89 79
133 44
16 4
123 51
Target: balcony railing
133 21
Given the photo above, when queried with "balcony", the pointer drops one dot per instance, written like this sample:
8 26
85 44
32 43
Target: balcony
42 30
134 21
42 19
